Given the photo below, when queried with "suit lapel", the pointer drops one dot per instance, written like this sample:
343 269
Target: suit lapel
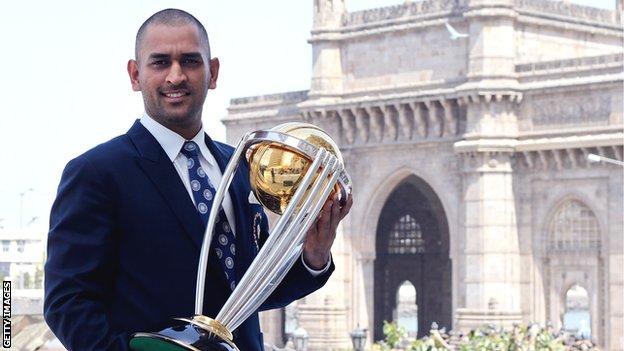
159 169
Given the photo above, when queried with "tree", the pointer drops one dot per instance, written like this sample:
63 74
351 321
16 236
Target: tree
38 277
27 281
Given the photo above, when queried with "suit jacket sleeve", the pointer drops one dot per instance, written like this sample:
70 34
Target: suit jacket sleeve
80 265
298 281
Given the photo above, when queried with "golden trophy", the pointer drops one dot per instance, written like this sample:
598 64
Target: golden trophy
293 169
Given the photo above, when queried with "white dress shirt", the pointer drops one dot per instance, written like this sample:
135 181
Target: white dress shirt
172 143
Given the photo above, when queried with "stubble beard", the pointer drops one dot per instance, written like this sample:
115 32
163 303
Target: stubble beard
174 121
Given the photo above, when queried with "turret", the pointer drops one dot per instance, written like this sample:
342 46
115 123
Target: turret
327 65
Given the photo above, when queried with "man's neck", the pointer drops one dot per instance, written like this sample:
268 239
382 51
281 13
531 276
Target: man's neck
187 133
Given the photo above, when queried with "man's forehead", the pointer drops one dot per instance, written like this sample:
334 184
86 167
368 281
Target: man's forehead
164 38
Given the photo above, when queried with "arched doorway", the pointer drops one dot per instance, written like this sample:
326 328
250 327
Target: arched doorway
574 270
406 311
413 246
577 318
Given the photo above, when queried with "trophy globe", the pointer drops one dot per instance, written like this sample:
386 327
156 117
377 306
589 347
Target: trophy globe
276 171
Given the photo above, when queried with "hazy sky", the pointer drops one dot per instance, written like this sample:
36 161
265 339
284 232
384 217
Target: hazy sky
65 88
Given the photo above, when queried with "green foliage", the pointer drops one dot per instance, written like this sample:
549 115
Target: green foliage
393 333
519 338
487 338
426 344
39 277
27 281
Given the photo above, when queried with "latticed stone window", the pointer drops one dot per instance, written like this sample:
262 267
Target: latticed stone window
574 227
406 237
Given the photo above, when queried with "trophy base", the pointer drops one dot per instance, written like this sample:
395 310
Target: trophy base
199 333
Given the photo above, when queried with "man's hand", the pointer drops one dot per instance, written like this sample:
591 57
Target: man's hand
321 235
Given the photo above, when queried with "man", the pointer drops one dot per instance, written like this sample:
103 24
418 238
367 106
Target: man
130 214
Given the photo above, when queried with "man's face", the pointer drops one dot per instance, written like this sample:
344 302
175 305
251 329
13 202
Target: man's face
173 74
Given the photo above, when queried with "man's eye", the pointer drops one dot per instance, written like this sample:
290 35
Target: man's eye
190 61
159 63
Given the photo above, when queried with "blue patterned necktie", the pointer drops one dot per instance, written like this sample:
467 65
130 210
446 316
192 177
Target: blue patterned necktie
203 193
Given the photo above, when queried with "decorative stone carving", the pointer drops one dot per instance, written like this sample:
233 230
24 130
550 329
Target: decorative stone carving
395 121
564 8
290 97
406 123
588 110
434 123
348 125
376 117
560 65
390 123
572 156
404 10
450 123
362 123
420 120
569 158
617 151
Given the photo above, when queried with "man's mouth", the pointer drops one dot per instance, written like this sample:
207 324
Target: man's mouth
175 95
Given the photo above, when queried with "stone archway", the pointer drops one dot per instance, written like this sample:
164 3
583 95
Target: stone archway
571 249
412 244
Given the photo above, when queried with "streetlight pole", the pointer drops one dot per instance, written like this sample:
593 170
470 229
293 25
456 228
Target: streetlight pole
598 158
22 194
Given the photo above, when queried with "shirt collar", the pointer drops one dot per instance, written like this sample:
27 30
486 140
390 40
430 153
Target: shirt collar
172 142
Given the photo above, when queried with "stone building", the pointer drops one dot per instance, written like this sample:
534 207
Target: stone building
469 161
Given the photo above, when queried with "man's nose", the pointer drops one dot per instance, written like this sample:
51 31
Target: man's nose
176 74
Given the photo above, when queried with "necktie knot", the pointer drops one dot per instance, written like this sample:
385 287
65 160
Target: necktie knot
190 149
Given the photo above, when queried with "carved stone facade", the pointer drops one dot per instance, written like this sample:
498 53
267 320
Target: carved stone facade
492 132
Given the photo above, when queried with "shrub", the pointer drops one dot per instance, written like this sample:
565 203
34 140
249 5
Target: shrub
487 338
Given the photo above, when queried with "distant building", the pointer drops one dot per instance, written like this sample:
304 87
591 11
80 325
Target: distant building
21 262
469 162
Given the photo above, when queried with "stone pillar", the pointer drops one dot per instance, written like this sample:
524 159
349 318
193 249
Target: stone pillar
327 66
324 313
492 46
271 326
363 302
615 256
324 323
490 275
489 267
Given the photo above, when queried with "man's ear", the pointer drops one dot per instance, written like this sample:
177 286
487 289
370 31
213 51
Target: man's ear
133 73
214 73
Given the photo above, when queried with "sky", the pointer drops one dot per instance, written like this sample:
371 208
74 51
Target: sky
64 86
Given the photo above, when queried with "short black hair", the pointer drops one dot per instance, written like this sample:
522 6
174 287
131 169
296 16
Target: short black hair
171 17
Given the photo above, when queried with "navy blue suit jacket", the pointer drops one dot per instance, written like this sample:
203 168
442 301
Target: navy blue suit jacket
124 245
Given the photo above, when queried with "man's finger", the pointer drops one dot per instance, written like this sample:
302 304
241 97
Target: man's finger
325 220
347 207
335 216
